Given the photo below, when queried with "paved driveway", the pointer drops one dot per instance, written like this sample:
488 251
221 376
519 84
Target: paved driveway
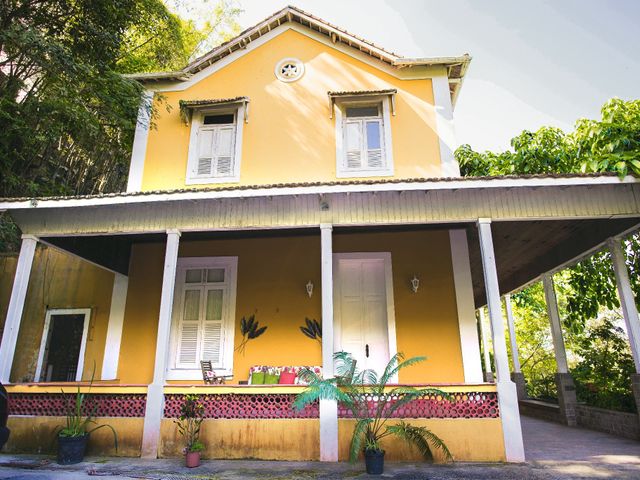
553 452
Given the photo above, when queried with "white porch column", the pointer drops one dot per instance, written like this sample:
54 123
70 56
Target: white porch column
554 320
155 394
114 329
629 310
516 375
567 400
465 305
328 408
485 347
507 395
627 299
16 306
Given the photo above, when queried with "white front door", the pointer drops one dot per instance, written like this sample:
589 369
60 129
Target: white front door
361 310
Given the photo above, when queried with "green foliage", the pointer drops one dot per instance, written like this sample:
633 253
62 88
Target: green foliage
190 422
352 388
312 329
250 329
67 115
78 422
602 374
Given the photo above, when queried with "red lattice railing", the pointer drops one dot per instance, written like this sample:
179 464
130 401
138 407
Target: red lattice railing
232 405
458 405
57 404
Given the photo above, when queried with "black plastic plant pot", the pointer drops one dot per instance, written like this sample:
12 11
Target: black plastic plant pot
71 449
374 461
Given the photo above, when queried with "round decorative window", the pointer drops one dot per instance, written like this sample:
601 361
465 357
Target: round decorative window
289 70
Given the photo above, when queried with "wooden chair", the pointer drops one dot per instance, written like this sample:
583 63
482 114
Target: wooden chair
209 375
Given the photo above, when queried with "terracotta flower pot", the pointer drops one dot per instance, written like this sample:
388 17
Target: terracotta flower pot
192 459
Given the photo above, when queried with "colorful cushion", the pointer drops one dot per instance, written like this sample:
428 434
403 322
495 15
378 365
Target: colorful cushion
287 378
278 370
271 378
257 378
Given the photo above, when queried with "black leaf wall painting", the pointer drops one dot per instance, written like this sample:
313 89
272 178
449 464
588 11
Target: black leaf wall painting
250 330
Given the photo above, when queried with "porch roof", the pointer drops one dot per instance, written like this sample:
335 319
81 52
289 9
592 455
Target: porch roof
540 223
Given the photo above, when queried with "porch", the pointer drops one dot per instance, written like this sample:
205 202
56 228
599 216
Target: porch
465 246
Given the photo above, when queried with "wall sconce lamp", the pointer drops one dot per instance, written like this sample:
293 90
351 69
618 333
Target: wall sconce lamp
415 283
309 287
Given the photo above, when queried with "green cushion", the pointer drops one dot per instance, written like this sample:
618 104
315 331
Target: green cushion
257 378
271 378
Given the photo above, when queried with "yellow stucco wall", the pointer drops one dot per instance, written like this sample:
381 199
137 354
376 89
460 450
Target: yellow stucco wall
272 273
57 280
290 137
37 435
468 439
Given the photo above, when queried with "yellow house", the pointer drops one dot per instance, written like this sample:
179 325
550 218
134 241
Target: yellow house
296 171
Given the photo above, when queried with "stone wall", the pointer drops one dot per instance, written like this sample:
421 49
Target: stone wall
621 424
541 410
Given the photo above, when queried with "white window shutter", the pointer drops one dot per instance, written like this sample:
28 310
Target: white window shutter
189 326
212 342
353 142
205 152
224 151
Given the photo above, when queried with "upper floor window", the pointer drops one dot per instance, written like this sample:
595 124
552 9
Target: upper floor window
363 138
215 146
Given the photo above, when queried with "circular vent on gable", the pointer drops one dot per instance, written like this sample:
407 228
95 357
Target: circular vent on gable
289 70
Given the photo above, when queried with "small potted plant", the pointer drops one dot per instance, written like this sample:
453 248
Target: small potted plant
189 423
74 435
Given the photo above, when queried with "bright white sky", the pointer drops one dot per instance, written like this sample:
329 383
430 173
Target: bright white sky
535 62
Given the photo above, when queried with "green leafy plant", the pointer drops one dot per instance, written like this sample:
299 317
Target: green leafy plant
312 329
78 423
354 389
189 423
250 330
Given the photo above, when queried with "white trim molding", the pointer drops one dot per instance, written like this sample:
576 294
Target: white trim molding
230 266
45 337
16 306
463 285
140 140
444 126
114 329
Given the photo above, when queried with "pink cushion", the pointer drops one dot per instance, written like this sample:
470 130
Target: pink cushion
287 378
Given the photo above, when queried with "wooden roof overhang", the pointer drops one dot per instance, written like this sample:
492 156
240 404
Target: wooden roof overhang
455 66
539 224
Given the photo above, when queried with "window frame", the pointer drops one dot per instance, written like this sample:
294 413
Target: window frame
45 335
341 105
197 122
230 265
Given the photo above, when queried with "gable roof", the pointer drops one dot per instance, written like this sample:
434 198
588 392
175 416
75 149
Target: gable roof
456 66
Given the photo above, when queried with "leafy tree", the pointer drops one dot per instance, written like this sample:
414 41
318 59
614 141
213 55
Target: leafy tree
67 115
611 144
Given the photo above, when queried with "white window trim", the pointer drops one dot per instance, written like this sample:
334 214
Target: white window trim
230 264
341 170
391 309
197 121
83 343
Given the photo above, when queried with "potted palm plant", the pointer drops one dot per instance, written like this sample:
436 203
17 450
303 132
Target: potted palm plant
189 423
354 389
74 435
